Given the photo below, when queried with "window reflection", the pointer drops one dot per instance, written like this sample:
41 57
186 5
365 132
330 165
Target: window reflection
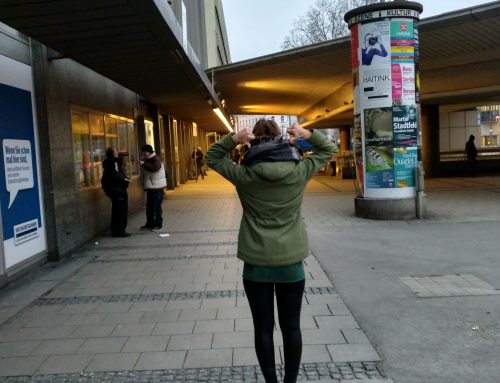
458 122
93 132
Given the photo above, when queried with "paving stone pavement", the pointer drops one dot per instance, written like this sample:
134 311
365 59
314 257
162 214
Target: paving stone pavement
154 308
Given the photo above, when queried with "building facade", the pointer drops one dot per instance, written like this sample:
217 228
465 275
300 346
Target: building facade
52 201
249 121
205 30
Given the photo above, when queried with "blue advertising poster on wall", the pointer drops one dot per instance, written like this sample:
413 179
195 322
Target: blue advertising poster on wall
20 196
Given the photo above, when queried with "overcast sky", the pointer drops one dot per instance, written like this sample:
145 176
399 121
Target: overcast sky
258 27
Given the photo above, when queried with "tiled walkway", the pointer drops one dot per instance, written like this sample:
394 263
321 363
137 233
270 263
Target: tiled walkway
151 308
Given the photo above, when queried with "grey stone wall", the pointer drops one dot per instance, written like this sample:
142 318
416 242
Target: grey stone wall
80 214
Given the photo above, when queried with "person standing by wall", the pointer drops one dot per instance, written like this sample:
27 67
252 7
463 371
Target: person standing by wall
155 180
200 162
272 241
471 152
115 182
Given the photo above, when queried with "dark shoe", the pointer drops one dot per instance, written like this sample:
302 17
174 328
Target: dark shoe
146 226
156 228
121 235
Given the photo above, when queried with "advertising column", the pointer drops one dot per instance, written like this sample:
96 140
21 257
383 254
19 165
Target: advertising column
384 40
20 196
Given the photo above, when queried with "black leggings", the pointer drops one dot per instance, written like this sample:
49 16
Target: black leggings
289 301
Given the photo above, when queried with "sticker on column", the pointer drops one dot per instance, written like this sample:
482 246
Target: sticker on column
18 166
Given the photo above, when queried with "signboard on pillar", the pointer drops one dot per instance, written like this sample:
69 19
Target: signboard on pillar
384 40
23 227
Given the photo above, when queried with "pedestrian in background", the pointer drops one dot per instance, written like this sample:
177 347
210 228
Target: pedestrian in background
272 240
115 182
154 180
199 162
471 152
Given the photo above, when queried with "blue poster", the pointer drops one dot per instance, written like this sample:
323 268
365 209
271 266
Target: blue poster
405 162
19 197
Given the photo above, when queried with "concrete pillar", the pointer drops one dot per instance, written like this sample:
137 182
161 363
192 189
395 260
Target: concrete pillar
40 76
344 133
385 63
169 151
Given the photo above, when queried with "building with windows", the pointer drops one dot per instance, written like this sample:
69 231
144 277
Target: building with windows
249 120
79 77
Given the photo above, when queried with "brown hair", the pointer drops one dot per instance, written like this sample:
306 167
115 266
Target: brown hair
266 128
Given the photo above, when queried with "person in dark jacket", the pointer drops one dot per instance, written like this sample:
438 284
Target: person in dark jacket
272 241
471 152
115 182
200 163
155 180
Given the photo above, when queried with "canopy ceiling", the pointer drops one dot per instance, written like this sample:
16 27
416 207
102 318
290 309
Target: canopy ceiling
136 43
460 58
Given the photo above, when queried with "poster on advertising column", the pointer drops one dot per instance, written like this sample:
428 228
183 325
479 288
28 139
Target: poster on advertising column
402 41
404 125
417 62
20 195
357 144
402 62
375 72
405 161
378 148
405 134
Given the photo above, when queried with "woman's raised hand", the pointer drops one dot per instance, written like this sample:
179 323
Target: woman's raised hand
296 131
244 136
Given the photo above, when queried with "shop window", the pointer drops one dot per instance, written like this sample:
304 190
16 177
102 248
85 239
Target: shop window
93 132
458 122
81 149
111 131
98 145
133 157
149 132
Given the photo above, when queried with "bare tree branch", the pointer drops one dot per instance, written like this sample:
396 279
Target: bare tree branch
322 22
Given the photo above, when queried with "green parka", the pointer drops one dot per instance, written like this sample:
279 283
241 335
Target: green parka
271 231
